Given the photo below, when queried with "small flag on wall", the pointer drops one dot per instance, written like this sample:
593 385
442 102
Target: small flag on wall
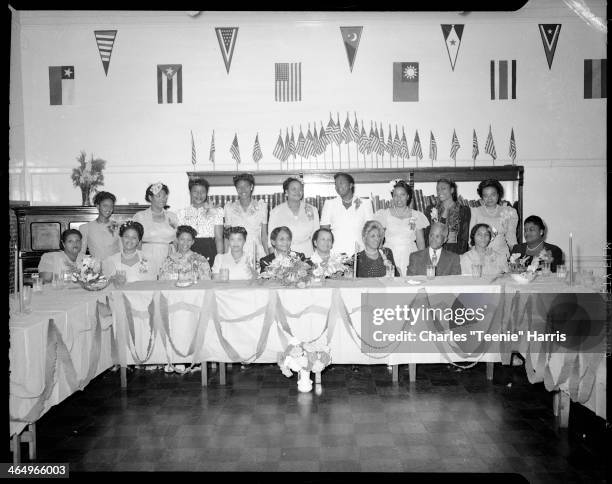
405 81
193 151
503 79
351 37
235 150
288 81
169 83
454 146
452 37
416 147
490 146
433 147
257 155
211 154
227 41
61 85
475 150
595 79
512 151
105 40
550 36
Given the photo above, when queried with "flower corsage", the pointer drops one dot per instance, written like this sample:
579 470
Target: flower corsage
143 266
434 214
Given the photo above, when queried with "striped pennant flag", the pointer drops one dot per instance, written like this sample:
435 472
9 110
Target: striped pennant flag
211 153
416 147
397 144
475 150
454 146
105 40
193 151
404 151
309 148
364 141
235 150
347 132
512 151
289 150
389 146
257 155
490 146
279 148
433 147
299 149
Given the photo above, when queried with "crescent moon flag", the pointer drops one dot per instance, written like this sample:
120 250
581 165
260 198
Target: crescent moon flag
227 41
351 37
550 36
452 37
105 40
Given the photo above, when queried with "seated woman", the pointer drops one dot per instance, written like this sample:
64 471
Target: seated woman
67 259
535 233
322 242
184 258
280 238
130 261
239 263
373 261
481 254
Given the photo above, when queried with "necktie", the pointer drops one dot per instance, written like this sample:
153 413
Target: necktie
434 259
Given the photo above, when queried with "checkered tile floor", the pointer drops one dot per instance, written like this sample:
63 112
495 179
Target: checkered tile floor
446 421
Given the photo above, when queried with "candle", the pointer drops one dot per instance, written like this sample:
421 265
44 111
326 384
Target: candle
571 262
15 268
355 261
254 255
21 301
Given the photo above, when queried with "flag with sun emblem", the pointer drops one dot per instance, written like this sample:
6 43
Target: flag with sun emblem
405 81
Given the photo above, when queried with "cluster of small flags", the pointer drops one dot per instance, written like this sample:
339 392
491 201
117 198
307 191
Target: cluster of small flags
234 150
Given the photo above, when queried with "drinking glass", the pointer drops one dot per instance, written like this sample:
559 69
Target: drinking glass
545 268
224 274
57 281
66 276
476 271
561 271
27 299
431 271
36 283
390 270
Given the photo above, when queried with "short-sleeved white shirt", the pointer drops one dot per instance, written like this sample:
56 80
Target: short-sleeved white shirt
346 224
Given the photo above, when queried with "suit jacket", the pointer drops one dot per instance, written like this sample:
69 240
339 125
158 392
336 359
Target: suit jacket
267 260
448 264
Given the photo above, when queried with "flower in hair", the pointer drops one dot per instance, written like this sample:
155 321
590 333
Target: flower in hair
156 188
394 182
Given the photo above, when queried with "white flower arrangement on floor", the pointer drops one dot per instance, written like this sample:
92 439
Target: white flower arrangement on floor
307 357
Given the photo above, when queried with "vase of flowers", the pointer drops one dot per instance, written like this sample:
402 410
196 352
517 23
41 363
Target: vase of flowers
522 270
87 176
289 270
89 275
302 358
337 266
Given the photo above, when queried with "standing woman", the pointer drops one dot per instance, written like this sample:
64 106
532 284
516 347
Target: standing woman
249 213
301 217
101 235
403 225
205 218
159 227
502 219
451 213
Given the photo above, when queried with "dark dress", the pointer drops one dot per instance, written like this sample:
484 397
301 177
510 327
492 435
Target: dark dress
267 260
367 267
462 227
556 252
207 247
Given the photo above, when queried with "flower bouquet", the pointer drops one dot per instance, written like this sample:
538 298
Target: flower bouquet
89 275
334 268
88 176
302 358
289 270
522 271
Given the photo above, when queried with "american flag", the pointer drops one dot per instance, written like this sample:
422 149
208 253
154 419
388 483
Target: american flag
433 147
315 141
475 150
347 132
288 82
337 132
397 144
390 143
454 146
416 147
279 148
330 130
375 140
512 152
289 150
323 141
370 146
257 150
193 151
309 147
381 142
211 154
299 149
235 150
404 152
490 146
364 141
356 135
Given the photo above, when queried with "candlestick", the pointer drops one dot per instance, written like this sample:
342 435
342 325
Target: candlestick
15 268
21 301
355 261
571 261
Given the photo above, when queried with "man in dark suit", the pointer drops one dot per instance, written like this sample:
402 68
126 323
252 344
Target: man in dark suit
445 262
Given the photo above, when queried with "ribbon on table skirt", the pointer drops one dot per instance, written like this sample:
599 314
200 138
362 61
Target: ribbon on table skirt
130 332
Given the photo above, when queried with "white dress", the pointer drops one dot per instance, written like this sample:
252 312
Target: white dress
400 234
302 225
138 272
503 222
157 237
